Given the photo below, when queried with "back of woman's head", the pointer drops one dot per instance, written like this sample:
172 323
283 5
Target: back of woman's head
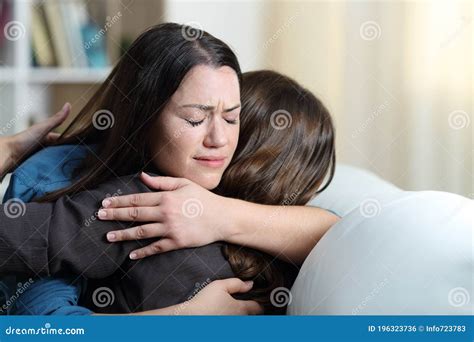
286 149
286 145
119 117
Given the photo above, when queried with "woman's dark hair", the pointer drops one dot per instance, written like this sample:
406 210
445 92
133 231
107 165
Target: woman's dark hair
132 97
286 149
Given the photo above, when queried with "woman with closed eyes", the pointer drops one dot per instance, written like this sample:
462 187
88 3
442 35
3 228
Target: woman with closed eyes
175 110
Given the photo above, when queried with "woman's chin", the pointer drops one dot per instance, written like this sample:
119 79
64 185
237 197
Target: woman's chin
209 182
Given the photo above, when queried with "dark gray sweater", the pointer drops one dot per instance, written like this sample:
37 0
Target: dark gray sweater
66 236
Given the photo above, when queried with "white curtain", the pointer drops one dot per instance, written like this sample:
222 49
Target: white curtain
397 77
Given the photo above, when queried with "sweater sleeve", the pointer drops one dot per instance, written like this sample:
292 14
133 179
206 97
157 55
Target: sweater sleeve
46 238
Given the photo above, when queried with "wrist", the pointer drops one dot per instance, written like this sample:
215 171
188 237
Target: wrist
190 307
235 212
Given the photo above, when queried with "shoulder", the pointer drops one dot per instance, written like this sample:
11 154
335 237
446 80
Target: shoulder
47 170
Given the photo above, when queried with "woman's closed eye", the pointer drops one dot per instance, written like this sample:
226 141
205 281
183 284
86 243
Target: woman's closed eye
232 121
195 123
232 116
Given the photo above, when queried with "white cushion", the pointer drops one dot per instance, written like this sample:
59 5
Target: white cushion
349 187
404 253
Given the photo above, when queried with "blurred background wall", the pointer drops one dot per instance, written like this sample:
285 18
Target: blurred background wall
398 79
397 76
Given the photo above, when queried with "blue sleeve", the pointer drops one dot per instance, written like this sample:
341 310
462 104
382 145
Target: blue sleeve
17 189
50 296
44 172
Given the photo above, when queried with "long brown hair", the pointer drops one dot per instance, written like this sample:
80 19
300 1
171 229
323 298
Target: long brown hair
286 144
118 118
286 149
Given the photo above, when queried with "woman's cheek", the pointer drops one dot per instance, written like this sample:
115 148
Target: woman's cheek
235 138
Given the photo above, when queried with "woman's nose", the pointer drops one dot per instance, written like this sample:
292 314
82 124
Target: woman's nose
216 135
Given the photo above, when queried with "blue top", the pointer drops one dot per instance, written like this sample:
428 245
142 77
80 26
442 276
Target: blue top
46 171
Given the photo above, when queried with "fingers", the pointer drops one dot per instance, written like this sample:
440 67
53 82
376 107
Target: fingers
42 131
134 200
137 233
60 116
52 137
161 246
236 285
251 307
55 120
162 183
139 214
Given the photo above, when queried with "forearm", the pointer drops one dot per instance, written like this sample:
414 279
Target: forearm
77 242
287 232
178 309
24 238
47 238
52 237
5 157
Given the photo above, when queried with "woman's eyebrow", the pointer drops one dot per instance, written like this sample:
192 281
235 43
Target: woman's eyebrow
209 108
231 108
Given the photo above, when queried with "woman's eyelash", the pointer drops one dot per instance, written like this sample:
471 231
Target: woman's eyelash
194 123
197 123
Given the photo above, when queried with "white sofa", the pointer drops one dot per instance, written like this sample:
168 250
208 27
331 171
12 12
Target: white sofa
394 252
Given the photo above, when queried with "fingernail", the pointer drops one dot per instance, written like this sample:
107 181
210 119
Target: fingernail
106 203
102 213
249 283
133 255
66 106
111 236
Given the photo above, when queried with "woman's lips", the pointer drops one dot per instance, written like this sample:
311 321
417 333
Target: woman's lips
215 162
